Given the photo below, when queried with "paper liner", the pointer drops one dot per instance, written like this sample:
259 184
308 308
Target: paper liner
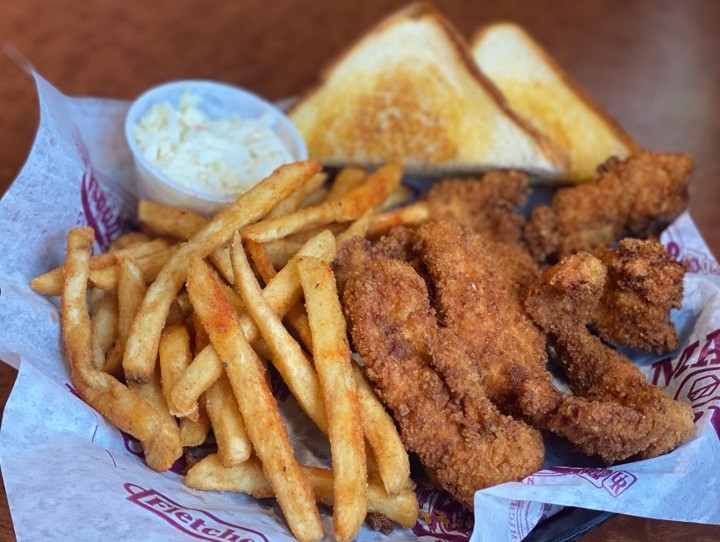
70 475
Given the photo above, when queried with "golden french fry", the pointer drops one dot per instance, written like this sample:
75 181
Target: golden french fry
381 223
331 354
264 424
183 302
294 201
164 221
357 228
281 250
396 197
174 356
142 345
233 443
104 326
201 337
150 265
221 260
50 283
197 378
152 392
351 206
287 355
123 407
175 315
127 240
281 294
346 179
316 198
194 432
210 475
131 290
381 434
261 258
372 192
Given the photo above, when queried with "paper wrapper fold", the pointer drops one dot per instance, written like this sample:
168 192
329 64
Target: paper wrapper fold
69 475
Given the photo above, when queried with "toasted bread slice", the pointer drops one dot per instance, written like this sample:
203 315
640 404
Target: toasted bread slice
539 90
409 91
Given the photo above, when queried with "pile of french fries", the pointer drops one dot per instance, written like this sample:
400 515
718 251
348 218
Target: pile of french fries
169 335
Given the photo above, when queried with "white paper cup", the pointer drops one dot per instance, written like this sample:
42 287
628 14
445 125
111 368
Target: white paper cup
217 100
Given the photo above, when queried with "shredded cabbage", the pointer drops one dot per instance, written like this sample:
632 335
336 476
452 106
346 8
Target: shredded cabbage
222 157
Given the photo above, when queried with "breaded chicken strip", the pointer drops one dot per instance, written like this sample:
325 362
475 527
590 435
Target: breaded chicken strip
643 284
423 374
562 303
637 197
489 205
479 297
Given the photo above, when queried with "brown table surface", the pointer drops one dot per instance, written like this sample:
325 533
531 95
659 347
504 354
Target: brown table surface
652 64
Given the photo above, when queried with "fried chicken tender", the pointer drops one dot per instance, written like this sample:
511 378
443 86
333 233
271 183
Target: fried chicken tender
637 197
627 416
643 284
479 298
488 205
423 374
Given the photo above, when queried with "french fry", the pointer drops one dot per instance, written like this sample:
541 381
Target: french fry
372 192
174 356
210 475
127 240
123 407
351 206
197 378
346 179
281 294
150 265
104 326
381 434
331 354
396 197
195 432
261 258
142 345
50 283
281 250
233 443
165 221
265 426
131 290
151 391
221 260
294 201
381 223
315 198
287 355
357 228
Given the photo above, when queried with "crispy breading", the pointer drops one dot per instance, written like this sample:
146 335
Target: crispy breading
629 416
423 374
638 196
644 283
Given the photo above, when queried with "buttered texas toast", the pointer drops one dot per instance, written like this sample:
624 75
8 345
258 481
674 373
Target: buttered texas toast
409 91
539 90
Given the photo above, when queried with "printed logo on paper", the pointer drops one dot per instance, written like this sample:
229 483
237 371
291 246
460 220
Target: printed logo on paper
614 482
191 521
441 516
97 209
682 242
694 375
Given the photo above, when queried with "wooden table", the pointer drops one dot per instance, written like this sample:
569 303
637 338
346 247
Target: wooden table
652 64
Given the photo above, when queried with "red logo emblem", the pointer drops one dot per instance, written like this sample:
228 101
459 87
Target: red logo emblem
192 521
